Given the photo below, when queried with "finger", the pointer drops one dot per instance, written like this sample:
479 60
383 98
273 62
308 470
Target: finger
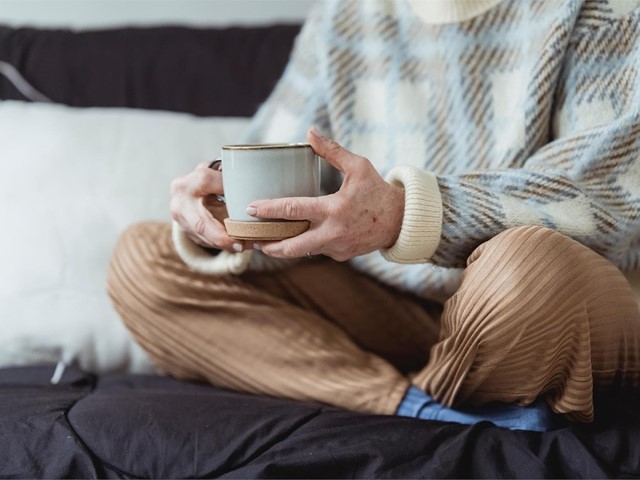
220 236
309 242
331 151
204 181
213 165
246 245
236 247
209 230
289 208
214 202
199 241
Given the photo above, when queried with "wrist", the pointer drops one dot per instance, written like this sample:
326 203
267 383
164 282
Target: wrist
422 218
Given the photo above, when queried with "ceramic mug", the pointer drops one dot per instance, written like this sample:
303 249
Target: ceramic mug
267 171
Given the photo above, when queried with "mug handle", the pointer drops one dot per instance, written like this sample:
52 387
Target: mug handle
217 166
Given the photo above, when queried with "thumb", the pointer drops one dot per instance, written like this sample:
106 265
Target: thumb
331 151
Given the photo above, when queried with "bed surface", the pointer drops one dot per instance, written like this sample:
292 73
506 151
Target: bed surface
123 426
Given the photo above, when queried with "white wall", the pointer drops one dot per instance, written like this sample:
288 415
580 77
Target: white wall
81 14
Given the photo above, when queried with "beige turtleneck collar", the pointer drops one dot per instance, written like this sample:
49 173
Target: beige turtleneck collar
450 11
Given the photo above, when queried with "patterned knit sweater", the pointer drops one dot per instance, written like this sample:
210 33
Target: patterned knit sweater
491 114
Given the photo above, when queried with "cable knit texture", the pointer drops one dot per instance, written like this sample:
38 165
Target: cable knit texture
528 113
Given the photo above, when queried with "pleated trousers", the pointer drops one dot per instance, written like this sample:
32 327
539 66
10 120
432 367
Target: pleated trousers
537 314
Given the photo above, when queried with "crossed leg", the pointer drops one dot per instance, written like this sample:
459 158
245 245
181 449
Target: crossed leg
537 313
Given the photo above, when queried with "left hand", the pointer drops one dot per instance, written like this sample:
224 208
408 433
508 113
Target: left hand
363 216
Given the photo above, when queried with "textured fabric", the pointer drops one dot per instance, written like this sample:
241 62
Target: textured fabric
537 314
447 11
536 417
551 297
422 222
95 171
135 426
528 114
196 326
200 260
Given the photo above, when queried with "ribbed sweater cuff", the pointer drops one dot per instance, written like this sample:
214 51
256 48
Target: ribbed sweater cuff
422 223
198 259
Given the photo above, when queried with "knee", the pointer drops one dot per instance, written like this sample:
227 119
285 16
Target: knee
522 319
520 277
533 257
136 260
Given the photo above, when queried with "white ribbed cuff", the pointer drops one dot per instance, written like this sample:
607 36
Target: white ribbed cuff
422 223
198 259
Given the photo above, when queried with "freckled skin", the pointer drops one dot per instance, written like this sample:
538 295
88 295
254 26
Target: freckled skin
363 216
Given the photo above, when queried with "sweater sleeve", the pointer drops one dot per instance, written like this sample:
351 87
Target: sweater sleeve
585 182
296 103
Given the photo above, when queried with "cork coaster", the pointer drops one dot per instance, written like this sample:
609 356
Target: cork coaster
265 231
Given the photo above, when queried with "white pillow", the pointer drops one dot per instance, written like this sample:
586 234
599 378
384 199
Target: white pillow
71 180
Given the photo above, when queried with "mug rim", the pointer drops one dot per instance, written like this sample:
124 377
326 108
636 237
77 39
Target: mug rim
265 146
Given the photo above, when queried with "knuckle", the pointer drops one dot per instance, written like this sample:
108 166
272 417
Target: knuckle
174 209
341 230
197 240
177 185
340 208
364 164
339 250
291 209
218 239
319 207
200 226
289 251
201 178
334 148
265 211
339 257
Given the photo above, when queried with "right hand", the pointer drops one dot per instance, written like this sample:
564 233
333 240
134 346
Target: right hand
199 213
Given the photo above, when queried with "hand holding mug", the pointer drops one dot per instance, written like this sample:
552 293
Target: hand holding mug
364 215
267 171
198 212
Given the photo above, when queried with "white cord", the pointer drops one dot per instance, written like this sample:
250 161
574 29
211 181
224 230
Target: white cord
66 359
58 372
10 73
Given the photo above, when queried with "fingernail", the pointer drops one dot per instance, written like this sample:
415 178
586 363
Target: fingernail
251 210
256 246
315 132
237 247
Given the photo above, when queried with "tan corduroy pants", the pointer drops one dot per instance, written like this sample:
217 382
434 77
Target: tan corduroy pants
537 314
